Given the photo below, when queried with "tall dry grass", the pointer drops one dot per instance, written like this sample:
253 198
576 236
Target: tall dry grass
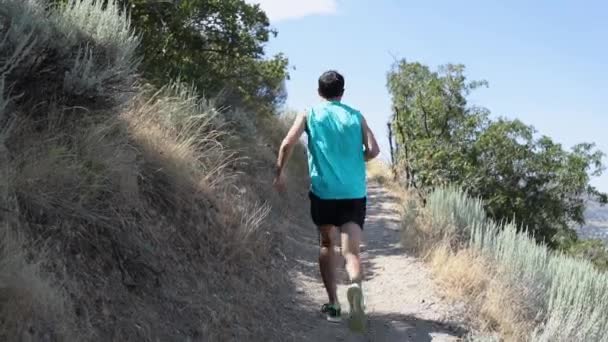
380 172
144 213
30 306
514 286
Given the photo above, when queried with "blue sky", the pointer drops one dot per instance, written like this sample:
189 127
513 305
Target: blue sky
546 61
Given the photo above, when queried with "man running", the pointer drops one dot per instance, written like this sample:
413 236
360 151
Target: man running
339 144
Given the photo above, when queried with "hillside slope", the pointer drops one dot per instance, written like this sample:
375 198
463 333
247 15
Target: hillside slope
127 212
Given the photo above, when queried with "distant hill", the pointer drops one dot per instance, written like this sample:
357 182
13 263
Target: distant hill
596 226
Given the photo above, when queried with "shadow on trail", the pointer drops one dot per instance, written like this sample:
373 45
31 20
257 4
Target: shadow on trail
382 230
383 328
398 327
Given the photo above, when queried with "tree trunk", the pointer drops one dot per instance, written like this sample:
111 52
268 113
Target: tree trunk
390 141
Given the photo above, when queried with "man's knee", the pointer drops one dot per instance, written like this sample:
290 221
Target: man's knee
327 237
326 242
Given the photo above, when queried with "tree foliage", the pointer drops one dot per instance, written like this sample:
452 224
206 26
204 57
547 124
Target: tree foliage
218 45
215 45
441 140
432 121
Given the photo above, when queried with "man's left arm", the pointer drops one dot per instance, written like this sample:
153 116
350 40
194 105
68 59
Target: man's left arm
369 141
286 149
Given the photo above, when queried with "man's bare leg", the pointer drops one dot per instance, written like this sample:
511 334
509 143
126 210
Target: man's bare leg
327 260
351 241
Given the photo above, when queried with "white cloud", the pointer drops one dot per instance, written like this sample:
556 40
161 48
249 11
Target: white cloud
278 10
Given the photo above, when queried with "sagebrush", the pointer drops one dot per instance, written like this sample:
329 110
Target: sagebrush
529 291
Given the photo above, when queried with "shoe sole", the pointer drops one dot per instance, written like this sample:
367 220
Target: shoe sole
357 312
334 319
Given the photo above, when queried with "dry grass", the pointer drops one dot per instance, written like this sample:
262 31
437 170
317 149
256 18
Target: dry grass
144 214
149 203
30 307
461 274
512 285
417 235
504 310
494 306
380 172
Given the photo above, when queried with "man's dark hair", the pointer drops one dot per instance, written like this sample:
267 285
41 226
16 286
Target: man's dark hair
331 84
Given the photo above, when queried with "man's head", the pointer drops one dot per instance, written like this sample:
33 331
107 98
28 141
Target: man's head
331 85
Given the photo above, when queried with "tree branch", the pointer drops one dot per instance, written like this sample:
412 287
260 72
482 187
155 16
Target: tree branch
425 118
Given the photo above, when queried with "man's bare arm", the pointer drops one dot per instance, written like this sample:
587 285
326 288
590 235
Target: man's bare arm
369 141
290 140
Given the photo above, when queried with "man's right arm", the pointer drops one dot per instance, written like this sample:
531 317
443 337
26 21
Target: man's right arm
369 141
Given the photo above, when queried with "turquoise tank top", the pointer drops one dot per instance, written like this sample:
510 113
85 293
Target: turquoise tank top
336 163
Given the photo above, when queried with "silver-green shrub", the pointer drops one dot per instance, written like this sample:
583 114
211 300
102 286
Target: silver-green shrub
567 298
81 52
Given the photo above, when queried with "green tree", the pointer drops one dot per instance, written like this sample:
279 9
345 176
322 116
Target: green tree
442 140
432 123
594 250
216 45
535 181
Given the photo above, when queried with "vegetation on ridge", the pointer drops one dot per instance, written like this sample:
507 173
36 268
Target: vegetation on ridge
442 140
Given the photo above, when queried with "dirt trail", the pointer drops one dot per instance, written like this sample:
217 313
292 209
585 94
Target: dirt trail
401 302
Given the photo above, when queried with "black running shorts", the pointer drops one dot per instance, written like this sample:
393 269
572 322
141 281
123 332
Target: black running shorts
337 212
